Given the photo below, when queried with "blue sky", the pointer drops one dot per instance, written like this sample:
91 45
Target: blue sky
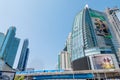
46 23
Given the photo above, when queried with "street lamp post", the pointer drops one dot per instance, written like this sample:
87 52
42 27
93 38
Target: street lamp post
73 75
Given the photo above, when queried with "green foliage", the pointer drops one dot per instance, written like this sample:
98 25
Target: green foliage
19 77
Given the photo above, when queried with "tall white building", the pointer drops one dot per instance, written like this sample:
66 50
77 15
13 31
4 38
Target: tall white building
63 61
114 19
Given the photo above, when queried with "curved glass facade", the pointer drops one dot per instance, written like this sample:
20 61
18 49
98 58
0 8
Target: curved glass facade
77 37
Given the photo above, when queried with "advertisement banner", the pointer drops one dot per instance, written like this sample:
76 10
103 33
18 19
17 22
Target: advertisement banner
100 24
103 62
101 29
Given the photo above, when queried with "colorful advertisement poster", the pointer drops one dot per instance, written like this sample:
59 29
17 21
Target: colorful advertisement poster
103 62
100 24
100 27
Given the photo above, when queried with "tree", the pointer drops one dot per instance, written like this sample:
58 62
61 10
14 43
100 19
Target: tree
19 77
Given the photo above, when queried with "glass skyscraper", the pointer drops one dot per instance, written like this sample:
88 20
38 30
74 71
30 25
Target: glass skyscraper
90 34
24 56
9 47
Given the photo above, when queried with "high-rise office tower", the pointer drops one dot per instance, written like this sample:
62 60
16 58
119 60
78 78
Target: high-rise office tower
9 47
114 18
24 56
91 36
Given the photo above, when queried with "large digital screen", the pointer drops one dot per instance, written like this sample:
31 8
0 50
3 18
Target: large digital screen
103 62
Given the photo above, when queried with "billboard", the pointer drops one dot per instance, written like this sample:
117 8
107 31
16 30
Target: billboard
101 28
100 24
103 62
